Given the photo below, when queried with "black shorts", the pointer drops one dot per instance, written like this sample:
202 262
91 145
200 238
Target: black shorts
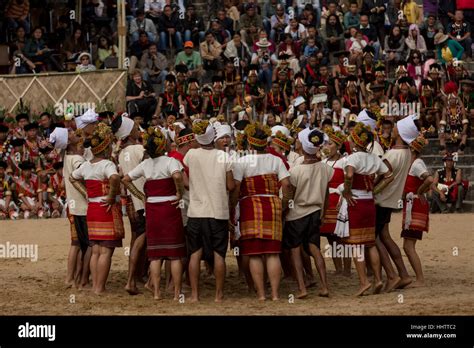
412 234
80 223
302 232
382 217
140 223
209 234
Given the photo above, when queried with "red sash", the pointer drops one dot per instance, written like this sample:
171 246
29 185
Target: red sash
160 187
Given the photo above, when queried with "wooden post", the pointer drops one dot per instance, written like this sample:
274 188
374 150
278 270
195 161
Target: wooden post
122 32
79 12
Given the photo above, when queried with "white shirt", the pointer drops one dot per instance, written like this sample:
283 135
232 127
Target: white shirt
162 167
253 165
76 202
365 163
418 168
311 183
101 170
129 158
208 183
301 31
400 160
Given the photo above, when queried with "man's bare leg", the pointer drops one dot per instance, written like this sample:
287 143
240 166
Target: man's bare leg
396 256
347 266
86 270
415 262
135 252
285 257
361 271
168 277
155 274
71 265
219 273
321 267
177 276
103 268
248 276
392 277
194 271
78 270
308 269
257 270
274 273
374 259
298 265
94 262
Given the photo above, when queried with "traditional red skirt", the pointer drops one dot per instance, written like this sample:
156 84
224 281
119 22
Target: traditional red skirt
361 223
259 246
164 224
72 227
419 216
330 216
260 216
103 225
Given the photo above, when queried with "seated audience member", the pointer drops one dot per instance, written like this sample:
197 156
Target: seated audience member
169 27
140 24
105 49
85 63
74 45
16 14
448 187
428 29
141 94
460 30
211 51
38 52
193 26
371 32
154 65
190 58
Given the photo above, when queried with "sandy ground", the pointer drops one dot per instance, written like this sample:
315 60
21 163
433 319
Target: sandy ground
37 288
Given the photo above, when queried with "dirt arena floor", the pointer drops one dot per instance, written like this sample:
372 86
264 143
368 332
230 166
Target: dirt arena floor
37 288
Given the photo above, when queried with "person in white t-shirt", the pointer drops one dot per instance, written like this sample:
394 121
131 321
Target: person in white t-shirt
259 211
80 251
398 158
104 213
416 208
210 179
309 183
356 217
164 189
130 156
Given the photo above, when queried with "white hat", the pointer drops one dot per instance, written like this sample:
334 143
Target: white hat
125 128
283 129
320 98
82 55
407 128
222 130
59 138
90 116
208 137
366 119
263 42
298 101
307 145
172 132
